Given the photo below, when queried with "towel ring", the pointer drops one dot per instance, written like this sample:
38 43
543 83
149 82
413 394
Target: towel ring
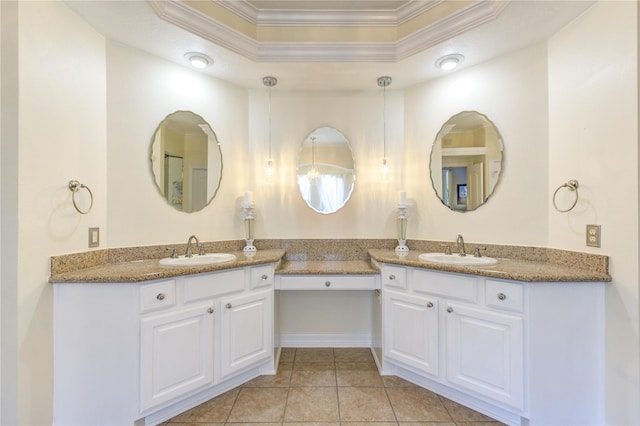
572 186
76 186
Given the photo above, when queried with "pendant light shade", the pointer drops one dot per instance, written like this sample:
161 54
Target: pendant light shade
383 82
269 166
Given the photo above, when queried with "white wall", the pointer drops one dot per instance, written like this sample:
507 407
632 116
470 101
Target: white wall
593 137
512 92
62 136
141 91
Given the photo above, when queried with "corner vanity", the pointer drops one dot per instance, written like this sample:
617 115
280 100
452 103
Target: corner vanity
521 341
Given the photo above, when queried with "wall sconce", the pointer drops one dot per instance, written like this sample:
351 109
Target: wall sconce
198 60
449 62
269 82
383 82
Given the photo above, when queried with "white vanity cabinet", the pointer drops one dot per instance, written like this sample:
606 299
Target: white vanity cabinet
246 330
521 352
411 330
176 354
484 353
128 351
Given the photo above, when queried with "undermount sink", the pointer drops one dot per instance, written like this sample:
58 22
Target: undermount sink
454 259
197 260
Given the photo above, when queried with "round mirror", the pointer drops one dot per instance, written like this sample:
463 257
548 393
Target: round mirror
466 160
326 174
186 161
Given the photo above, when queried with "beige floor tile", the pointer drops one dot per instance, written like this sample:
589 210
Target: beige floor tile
214 410
368 378
287 354
314 366
364 404
313 424
361 366
459 413
259 405
369 424
396 382
414 404
251 424
314 355
280 380
353 354
313 378
312 404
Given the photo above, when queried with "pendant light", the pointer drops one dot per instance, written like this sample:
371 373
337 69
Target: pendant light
313 172
383 82
269 82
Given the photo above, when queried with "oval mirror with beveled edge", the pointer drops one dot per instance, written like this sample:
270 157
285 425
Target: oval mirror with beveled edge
186 161
326 170
466 161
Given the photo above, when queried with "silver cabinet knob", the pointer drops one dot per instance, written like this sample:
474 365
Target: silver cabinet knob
327 283
502 296
228 306
392 277
265 277
449 309
210 310
160 296
430 305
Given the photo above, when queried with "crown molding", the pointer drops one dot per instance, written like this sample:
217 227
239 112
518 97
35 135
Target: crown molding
449 27
179 14
329 17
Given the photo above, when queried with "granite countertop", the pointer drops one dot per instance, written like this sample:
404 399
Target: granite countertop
330 267
509 269
145 270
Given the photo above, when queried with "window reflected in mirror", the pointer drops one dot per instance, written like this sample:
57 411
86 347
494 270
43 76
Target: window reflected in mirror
186 161
325 171
466 161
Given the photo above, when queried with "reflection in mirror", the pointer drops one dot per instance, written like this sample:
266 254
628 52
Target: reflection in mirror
186 161
326 174
466 161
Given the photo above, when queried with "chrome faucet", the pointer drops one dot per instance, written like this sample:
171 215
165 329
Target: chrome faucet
191 238
460 245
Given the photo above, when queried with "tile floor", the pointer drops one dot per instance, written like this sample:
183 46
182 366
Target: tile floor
328 387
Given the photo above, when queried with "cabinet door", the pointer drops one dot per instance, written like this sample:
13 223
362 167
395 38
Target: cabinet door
246 329
485 353
411 330
176 354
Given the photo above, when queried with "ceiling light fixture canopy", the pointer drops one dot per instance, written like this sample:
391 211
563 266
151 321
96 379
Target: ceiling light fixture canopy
383 82
198 60
449 62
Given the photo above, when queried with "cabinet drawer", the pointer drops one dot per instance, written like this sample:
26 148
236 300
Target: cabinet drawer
261 276
328 282
205 286
157 295
394 276
504 295
453 286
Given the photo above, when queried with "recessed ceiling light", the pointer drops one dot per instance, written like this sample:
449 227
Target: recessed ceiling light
449 62
198 60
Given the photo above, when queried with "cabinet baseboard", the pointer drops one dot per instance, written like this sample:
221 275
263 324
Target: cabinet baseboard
325 340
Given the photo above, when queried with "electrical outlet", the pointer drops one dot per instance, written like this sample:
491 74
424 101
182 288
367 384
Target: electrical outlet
94 237
593 235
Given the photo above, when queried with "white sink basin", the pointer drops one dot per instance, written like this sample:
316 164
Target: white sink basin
454 259
197 260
